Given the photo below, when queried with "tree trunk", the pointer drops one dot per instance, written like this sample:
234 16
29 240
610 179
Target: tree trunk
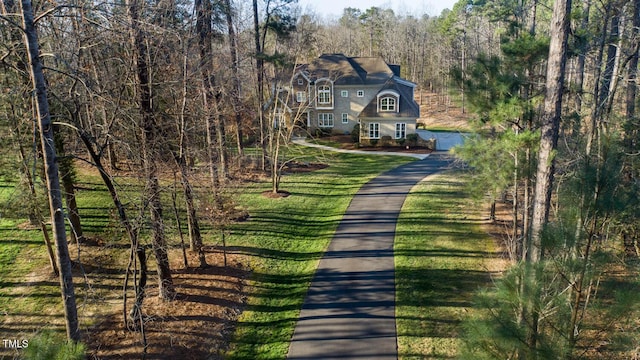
38 215
552 112
235 96
582 56
66 174
139 288
609 78
223 172
260 84
149 144
51 170
195 238
632 76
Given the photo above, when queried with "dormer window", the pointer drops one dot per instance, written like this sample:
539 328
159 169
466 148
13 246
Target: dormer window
388 104
388 101
300 81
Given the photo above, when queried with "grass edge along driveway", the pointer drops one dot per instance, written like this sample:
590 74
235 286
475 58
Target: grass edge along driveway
443 257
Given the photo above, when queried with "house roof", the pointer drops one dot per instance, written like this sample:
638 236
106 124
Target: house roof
408 107
343 70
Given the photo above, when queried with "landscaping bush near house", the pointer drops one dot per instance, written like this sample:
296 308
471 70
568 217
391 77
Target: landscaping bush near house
412 140
386 140
355 133
429 144
318 133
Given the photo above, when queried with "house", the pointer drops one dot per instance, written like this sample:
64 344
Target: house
337 92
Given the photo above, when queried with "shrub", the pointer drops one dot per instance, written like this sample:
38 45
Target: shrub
386 140
412 140
355 133
49 346
318 133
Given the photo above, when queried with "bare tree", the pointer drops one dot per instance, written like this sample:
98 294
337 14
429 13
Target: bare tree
236 92
150 141
51 171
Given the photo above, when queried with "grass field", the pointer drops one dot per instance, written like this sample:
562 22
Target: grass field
442 257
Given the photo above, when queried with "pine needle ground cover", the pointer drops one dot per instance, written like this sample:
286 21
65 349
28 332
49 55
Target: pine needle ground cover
443 257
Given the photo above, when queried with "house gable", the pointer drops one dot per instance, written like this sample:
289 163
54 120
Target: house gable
406 107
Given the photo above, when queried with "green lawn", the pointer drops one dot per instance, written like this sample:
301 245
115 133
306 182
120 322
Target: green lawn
440 252
286 238
442 258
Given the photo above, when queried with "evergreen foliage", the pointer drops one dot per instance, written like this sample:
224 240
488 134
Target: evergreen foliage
49 346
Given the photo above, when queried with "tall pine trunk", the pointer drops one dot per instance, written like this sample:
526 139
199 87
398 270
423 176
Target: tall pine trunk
552 111
51 170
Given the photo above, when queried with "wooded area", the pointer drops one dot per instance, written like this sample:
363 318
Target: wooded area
186 89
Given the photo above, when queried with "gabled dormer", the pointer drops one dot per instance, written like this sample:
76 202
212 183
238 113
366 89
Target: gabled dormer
388 101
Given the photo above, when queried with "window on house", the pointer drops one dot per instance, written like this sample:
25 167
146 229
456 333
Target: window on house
300 82
324 94
301 96
345 118
325 120
360 93
388 103
401 130
344 93
374 131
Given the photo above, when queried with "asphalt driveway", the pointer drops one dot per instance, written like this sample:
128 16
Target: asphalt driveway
349 311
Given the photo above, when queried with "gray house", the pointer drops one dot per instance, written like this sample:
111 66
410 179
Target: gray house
337 92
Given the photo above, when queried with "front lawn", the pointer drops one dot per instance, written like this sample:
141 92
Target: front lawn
442 257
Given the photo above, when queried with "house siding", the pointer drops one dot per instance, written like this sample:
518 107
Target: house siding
352 105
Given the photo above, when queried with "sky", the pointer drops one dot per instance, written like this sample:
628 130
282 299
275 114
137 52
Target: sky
333 8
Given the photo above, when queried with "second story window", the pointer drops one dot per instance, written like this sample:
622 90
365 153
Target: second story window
360 93
344 93
324 94
388 103
301 96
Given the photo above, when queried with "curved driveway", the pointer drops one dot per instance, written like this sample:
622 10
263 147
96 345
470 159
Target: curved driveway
349 311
